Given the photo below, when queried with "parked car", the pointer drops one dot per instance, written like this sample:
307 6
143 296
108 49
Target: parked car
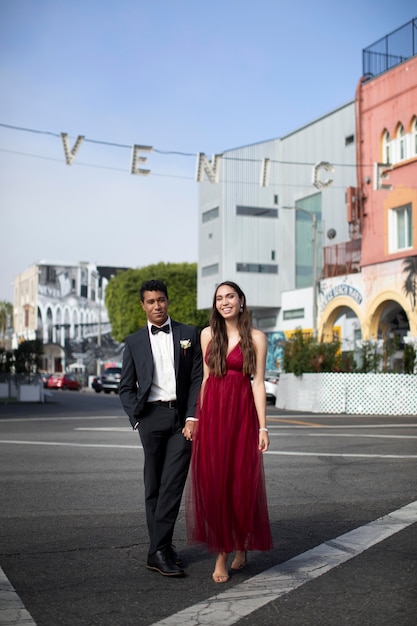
96 384
63 381
271 385
45 377
110 380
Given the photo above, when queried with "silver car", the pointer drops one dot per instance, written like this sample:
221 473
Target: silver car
110 379
271 385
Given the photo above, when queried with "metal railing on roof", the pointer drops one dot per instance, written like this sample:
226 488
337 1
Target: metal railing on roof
391 50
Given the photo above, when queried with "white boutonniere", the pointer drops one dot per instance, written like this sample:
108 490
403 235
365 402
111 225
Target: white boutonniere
185 344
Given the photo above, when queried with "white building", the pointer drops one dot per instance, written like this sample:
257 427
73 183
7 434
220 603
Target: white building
261 209
61 304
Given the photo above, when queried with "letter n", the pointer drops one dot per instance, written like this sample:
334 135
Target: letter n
211 168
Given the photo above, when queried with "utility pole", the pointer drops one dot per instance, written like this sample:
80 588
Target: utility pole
98 363
315 311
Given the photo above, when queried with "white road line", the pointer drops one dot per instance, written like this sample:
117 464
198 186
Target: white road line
274 425
346 455
360 436
12 608
108 429
136 447
241 600
68 444
338 426
276 432
63 418
320 434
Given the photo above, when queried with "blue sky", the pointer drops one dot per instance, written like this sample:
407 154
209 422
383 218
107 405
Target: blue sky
179 75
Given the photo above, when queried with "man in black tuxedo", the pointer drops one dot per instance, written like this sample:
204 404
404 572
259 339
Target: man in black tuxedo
159 386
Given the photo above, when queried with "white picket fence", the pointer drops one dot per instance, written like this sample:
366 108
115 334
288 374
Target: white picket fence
359 394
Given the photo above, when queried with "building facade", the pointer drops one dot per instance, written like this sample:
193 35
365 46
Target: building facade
319 227
63 306
381 299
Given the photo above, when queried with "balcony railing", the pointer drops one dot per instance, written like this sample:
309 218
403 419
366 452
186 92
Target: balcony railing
391 50
342 258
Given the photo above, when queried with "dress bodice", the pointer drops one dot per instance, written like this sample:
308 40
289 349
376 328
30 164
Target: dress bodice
234 360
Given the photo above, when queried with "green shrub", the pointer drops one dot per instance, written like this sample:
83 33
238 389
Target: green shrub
303 354
410 358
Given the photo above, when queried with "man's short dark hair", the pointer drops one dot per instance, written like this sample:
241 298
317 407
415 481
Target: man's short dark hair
153 285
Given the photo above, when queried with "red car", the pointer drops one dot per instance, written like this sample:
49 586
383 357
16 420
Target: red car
63 381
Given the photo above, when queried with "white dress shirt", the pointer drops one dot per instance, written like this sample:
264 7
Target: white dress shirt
163 384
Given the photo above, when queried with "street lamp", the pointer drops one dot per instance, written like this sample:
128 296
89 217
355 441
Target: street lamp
313 218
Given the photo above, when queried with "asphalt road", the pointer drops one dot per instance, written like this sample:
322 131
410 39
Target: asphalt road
74 541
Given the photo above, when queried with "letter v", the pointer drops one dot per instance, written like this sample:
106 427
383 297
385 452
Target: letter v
70 154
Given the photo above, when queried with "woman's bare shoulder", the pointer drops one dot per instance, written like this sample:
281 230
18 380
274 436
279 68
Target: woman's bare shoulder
206 333
258 335
205 336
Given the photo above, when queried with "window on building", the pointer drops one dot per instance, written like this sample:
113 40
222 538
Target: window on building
257 268
266 322
209 270
210 215
414 136
349 139
386 147
50 274
293 314
256 211
400 228
401 142
304 238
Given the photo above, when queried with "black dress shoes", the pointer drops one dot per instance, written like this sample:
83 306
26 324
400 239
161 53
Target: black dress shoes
160 562
173 555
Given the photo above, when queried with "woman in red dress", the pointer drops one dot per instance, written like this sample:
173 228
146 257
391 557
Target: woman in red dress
226 498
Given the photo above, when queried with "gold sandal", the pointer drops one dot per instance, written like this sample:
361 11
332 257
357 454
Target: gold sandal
238 563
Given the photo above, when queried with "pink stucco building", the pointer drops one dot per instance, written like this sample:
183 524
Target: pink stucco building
373 278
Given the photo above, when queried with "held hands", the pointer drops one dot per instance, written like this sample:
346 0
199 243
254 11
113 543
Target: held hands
263 440
188 429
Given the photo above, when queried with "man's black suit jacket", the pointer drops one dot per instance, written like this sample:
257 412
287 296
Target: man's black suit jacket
138 368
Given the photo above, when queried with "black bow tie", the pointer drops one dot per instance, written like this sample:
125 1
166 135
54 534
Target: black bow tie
156 329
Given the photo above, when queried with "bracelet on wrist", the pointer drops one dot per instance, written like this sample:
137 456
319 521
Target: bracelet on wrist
264 429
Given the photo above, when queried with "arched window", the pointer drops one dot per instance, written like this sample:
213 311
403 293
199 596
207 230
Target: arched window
386 148
401 142
414 136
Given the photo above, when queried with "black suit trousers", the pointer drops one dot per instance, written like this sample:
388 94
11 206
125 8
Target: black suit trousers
167 458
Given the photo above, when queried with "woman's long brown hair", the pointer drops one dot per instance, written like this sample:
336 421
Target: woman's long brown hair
217 353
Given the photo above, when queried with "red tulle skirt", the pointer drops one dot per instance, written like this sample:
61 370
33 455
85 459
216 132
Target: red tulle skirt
226 506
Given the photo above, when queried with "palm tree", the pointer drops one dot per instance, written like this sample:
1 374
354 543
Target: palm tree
410 283
6 314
